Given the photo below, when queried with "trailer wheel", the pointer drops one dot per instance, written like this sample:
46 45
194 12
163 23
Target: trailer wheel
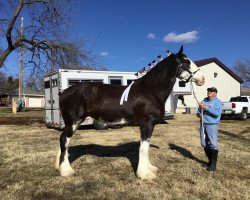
243 114
100 126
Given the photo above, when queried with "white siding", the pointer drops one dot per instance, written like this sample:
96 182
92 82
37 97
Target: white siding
34 102
226 85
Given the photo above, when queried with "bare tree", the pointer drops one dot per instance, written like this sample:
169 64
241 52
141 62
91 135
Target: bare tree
46 40
242 68
31 85
8 84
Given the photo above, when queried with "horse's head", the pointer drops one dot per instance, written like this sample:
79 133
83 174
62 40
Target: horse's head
187 70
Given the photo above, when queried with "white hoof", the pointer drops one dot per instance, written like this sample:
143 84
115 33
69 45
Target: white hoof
153 168
66 171
148 176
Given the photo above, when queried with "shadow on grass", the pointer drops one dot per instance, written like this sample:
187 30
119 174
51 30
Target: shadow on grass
128 150
184 152
237 136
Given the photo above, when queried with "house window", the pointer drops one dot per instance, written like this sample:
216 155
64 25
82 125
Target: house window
215 74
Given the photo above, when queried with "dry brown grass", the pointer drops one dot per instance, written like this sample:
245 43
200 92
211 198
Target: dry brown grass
105 163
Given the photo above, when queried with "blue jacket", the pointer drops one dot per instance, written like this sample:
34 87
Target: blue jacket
212 114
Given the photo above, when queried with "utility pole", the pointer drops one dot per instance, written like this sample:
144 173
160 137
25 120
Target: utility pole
20 91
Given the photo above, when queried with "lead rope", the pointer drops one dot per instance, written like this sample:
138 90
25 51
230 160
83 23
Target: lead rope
202 118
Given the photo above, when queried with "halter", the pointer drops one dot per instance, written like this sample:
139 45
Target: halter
180 66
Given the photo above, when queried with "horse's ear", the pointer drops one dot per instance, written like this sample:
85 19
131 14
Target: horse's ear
180 51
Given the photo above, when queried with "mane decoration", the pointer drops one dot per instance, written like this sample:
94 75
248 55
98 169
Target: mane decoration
150 65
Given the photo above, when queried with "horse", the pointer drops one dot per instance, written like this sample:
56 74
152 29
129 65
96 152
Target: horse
144 107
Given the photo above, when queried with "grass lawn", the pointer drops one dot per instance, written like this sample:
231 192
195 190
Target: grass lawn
105 162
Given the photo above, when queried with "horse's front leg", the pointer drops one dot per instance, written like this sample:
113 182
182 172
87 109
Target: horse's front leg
62 162
145 170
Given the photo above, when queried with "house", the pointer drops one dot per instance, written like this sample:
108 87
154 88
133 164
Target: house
216 75
30 100
34 100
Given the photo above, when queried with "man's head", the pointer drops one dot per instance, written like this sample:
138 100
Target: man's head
211 92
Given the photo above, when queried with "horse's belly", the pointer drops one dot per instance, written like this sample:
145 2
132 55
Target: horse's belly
115 122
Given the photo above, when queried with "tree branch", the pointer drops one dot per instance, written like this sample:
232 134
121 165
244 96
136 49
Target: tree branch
11 25
45 36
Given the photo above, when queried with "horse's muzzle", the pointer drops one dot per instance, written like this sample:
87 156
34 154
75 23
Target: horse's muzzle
199 82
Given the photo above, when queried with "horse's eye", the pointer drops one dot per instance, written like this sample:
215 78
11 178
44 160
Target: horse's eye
186 66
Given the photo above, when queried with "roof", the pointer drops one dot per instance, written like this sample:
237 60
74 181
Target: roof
23 95
203 62
88 71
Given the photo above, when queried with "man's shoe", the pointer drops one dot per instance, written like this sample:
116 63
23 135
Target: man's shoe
209 156
214 155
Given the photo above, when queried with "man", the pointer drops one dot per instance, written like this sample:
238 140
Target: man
210 113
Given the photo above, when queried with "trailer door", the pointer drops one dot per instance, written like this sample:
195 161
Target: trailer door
52 117
48 106
55 84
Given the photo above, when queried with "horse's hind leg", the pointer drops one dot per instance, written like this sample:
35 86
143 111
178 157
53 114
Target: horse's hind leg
62 161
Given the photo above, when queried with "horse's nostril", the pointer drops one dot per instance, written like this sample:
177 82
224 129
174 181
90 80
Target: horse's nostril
203 80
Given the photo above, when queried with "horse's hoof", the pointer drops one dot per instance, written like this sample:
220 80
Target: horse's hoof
66 172
149 176
153 168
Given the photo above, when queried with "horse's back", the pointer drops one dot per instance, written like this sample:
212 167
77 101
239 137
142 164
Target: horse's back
90 97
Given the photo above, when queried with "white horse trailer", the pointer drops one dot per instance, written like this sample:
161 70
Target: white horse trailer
58 81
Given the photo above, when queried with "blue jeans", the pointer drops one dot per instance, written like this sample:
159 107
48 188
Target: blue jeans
209 139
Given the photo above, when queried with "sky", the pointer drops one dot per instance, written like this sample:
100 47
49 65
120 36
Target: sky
126 35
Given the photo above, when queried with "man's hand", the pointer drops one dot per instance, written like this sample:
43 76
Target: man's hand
203 106
199 115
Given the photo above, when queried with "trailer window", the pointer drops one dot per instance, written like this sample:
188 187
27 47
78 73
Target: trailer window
93 80
54 82
115 80
75 81
46 84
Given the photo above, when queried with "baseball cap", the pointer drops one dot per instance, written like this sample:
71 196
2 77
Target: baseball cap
212 89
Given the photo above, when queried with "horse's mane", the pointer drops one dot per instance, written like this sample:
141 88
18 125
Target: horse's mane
161 70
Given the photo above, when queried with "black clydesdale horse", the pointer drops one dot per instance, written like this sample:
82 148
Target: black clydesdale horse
144 107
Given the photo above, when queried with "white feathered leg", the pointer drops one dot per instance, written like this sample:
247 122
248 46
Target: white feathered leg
65 169
145 169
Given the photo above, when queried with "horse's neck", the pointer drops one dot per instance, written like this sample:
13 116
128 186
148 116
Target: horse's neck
161 81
